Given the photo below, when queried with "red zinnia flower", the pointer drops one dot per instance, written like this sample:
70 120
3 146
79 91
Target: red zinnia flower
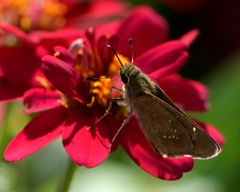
71 104
26 37
49 15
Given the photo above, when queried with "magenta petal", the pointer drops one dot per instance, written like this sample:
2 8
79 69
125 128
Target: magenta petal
38 99
213 132
63 37
145 27
188 94
163 60
62 76
64 55
142 153
17 69
42 130
86 147
17 74
107 54
28 39
189 37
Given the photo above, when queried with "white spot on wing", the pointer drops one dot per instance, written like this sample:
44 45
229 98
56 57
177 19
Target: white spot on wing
194 130
165 156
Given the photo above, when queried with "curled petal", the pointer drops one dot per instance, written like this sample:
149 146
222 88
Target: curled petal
163 60
153 31
63 77
107 54
86 147
42 130
142 153
190 95
39 99
91 36
63 54
74 48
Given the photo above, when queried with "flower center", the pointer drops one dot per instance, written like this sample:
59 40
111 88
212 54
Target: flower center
101 89
31 14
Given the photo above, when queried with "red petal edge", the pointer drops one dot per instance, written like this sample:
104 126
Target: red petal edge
63 77
39 99
153 27
163 59
190 95
42 130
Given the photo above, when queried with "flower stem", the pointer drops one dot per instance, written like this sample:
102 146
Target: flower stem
66 178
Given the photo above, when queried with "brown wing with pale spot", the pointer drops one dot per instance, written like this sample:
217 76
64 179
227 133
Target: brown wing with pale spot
170 132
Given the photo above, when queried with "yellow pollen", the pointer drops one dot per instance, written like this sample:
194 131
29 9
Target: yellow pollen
101 90
116 65
25 23
57 53
80 52
43 82
106 92
97 84
63 103
96 91
91 29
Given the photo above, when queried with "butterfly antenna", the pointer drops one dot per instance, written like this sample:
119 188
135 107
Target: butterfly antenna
131 45
97 78
115 53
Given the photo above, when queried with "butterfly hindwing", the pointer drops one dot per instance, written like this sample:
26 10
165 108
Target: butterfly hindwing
172 133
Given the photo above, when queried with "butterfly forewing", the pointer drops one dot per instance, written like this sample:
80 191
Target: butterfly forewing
170 132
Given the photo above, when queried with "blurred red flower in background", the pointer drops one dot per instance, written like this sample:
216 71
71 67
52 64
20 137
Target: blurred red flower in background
49 15
25 37
70 105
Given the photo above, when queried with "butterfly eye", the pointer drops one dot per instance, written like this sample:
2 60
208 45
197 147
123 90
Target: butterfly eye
124 78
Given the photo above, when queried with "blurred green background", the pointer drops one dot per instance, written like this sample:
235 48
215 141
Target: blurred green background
215 61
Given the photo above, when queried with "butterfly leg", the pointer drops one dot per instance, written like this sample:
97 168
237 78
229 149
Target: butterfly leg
113 87
124 123
107 111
